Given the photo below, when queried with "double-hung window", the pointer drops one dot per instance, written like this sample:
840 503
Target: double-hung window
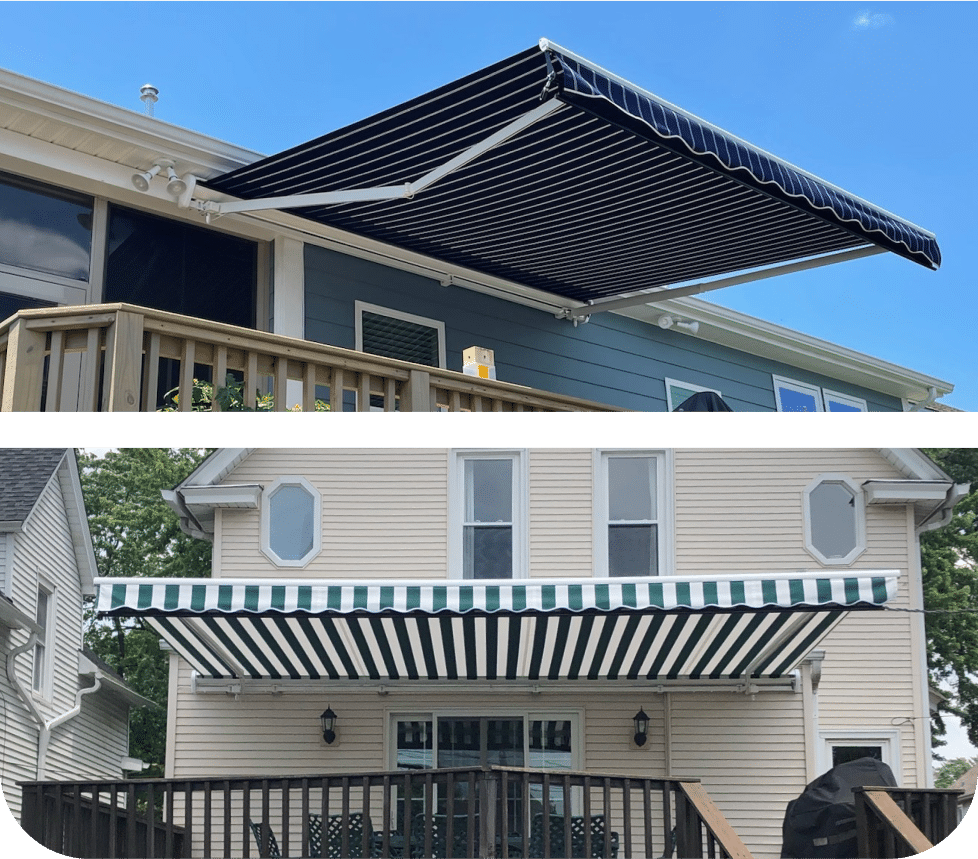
487 502
631 531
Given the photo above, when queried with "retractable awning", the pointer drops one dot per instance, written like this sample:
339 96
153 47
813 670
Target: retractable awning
636 629
551 173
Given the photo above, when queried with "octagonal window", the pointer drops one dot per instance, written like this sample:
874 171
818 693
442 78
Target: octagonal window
835 530
291 522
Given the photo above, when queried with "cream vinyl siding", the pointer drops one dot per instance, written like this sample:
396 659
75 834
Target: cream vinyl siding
383 514
749 751
740 510
561 513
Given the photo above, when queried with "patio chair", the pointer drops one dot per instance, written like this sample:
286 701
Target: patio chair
260 829
356 823
578 824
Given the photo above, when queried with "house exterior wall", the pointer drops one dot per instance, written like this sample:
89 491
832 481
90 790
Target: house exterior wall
611 359
93 744
385 516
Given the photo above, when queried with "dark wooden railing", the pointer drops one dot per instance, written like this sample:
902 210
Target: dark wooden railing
420 814
895 822
119 357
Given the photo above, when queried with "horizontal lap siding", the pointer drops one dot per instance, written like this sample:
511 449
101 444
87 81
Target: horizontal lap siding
383 514
740 510
561 513
749 752
611 359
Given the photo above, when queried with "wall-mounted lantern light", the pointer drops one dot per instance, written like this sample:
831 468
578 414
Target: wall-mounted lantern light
328 720
641 720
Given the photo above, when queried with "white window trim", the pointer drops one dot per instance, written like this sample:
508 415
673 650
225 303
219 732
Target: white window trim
887 740
439 326
7 564
689 386
317 519
46 690
456 508
859 507
665 499
846 400
799 387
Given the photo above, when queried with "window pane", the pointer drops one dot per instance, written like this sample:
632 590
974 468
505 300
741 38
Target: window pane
168 265
844 754
633 550
414 745
833 519
836 406
631 488
290 522
399 338
487 552
42 609
550 744
797 401
488 490
45 229
10 304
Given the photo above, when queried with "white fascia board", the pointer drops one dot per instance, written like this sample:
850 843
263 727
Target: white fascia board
243 495
120 125
216 467
12 617
914 463
755 336
81 537
904 491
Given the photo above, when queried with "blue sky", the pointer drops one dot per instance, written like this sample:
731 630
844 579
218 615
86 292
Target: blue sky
876 98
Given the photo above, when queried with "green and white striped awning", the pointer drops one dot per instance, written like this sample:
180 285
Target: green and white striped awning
634 629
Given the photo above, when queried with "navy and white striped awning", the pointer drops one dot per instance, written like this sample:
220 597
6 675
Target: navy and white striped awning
614 193
659 629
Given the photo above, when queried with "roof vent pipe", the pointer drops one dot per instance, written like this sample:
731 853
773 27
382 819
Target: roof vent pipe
149 95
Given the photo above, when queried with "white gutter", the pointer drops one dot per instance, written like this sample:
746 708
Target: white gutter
45 727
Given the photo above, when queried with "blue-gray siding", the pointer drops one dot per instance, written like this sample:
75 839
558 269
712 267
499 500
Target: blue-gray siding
611 359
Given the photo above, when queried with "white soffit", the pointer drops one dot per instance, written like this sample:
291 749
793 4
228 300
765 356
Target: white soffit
79 123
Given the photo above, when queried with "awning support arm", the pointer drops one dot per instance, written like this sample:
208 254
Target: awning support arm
583 313
389 192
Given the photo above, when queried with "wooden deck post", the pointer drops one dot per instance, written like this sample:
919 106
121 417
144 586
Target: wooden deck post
24 371
123 363
416 392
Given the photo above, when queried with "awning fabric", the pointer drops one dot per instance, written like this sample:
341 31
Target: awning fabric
615 192
616 629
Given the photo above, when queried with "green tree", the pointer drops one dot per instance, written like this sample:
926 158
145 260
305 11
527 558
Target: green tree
134 533
952 770
949 559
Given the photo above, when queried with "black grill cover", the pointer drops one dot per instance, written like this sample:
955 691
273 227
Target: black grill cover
704 401
821 823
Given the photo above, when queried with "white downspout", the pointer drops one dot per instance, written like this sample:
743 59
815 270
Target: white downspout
45 727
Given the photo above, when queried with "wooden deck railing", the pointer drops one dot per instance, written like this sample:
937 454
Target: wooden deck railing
419 814
116 357
895 822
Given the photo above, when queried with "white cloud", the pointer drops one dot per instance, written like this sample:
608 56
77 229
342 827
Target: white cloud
867 20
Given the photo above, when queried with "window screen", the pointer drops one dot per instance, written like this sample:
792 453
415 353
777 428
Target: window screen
402 339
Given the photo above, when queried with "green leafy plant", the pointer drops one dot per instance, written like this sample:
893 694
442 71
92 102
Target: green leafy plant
230 398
